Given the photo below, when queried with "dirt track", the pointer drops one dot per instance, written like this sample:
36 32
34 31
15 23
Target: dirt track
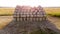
55 21
4 20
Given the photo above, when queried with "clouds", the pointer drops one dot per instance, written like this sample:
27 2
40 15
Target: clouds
44 3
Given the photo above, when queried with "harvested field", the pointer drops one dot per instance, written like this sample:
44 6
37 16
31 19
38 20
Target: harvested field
4 20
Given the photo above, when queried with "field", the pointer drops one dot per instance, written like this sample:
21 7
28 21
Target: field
6 11
4 20
6 16
52 11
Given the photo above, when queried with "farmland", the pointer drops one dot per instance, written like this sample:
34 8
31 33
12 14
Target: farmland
4 20
6 15
6 11
52 11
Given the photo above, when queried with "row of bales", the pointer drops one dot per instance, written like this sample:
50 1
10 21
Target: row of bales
27 13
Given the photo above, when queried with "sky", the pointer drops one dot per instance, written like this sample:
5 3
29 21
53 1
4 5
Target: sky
43 3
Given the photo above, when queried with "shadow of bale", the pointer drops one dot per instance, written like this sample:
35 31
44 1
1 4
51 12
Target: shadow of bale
45 27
